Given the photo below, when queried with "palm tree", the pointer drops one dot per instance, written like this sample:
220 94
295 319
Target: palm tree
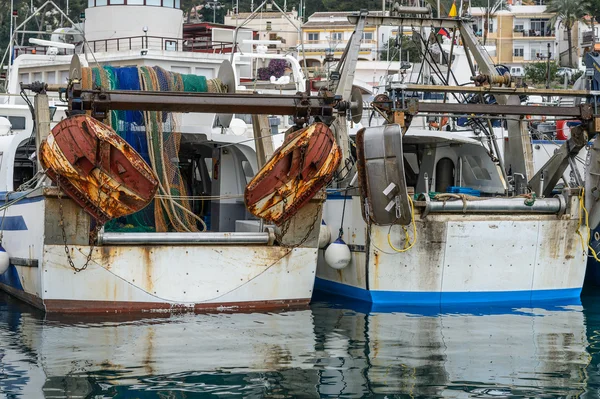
567 13
491 8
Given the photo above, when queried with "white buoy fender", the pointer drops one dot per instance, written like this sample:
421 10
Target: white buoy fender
338 254
4 260
324 235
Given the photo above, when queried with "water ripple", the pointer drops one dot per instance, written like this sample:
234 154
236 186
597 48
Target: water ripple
330 350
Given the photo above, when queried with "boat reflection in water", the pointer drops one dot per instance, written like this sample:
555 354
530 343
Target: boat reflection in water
330 350
491 352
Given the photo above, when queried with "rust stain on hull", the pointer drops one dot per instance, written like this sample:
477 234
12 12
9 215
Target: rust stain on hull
97 168
375 269
95 307
303 164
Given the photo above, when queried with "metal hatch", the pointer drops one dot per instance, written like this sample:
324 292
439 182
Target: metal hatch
383 192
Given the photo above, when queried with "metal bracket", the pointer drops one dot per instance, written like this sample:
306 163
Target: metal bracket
425 211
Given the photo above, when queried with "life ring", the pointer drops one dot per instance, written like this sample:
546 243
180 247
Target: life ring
436 125
563 128
561 134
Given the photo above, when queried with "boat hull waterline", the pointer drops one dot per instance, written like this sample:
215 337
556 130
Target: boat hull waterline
166 278
458 259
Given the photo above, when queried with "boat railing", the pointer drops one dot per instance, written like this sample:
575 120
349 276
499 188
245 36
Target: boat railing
43 50
200 44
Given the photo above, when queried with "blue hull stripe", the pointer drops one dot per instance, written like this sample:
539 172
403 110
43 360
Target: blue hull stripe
434 298
12 223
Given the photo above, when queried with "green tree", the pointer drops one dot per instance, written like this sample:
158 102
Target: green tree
409 49
593 9
567 13
535 72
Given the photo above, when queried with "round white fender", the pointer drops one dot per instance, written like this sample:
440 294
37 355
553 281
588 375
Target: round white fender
337 254
4 260
324 235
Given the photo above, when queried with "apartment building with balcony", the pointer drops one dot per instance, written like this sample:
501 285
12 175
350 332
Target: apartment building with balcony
327 33
522 33
271 26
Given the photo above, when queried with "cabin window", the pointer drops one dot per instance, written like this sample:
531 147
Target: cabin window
168 3
476 165
411 168
24 166
17 122
248 172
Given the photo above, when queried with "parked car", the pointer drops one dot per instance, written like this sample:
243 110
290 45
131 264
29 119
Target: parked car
517 71
568 72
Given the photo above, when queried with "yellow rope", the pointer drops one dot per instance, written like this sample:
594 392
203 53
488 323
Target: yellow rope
407 244
587 225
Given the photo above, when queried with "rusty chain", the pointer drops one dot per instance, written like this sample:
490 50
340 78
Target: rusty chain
306 236
93 235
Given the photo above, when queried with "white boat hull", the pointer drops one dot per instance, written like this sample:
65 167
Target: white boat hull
147 278
458 258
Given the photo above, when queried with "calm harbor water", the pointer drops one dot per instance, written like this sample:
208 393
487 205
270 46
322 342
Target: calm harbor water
331 349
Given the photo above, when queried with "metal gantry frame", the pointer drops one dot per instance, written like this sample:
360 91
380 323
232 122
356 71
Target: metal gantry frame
338 103
518 151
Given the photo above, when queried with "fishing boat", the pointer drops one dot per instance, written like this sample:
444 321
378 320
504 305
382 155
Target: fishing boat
437 217
147 212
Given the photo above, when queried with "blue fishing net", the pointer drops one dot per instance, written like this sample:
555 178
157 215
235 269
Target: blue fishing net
131 126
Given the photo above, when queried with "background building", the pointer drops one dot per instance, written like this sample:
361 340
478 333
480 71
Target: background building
521 34
271 26
328 33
